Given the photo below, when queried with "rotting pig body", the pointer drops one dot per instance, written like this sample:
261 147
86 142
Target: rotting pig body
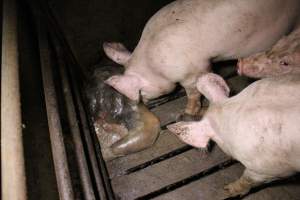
259 127
122 126
283 58
181 40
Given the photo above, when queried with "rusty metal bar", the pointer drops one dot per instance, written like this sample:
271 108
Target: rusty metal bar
56 136
103 186
13 181
85 178
89 144
101 180
93 148
98 164
90 147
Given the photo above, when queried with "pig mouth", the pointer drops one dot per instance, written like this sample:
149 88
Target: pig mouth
249 69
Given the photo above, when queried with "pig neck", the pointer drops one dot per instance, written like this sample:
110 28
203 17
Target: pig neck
215 89
151 78
214 116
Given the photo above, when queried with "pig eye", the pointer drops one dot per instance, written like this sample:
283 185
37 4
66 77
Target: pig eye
284 63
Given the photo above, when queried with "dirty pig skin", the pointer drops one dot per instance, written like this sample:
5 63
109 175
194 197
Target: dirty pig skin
258 127
181 40
283 58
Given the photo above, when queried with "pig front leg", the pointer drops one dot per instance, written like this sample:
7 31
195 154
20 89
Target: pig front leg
248 180
193 105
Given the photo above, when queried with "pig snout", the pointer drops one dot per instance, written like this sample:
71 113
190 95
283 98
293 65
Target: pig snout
240 67
246 66
251 67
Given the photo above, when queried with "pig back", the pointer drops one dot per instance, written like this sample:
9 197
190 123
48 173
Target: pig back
274 90
263 120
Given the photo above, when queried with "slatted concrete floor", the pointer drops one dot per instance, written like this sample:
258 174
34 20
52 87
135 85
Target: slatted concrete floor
172 170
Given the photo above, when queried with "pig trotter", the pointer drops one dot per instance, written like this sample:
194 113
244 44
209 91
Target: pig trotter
248 180
205 151
239 187
193 105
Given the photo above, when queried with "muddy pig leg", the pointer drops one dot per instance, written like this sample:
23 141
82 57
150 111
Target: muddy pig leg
193 101
141 137
248 180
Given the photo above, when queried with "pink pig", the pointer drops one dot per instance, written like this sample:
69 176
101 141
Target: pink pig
283 58
259 127
181 40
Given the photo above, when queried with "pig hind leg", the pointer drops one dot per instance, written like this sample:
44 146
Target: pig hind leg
248 180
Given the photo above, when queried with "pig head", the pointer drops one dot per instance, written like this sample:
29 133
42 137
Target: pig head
198 133
134 83
283 58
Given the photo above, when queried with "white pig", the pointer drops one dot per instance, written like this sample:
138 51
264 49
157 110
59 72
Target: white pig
283 58
259 127
181 40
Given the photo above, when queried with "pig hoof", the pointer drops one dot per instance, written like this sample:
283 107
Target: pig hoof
186 117
204 152
236 189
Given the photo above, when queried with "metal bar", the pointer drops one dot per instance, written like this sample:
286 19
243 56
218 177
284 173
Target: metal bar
92 153
12 154
90 147
56 136
101 177
104 187
75 131
97 176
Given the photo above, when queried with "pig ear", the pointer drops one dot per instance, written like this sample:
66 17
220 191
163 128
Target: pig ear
117 52
213 87
128 85
196 134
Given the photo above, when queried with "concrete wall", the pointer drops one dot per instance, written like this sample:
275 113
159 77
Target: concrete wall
90 22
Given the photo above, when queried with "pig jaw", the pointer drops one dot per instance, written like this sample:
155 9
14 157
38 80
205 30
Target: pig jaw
196 134
154 90
152 85
134 85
